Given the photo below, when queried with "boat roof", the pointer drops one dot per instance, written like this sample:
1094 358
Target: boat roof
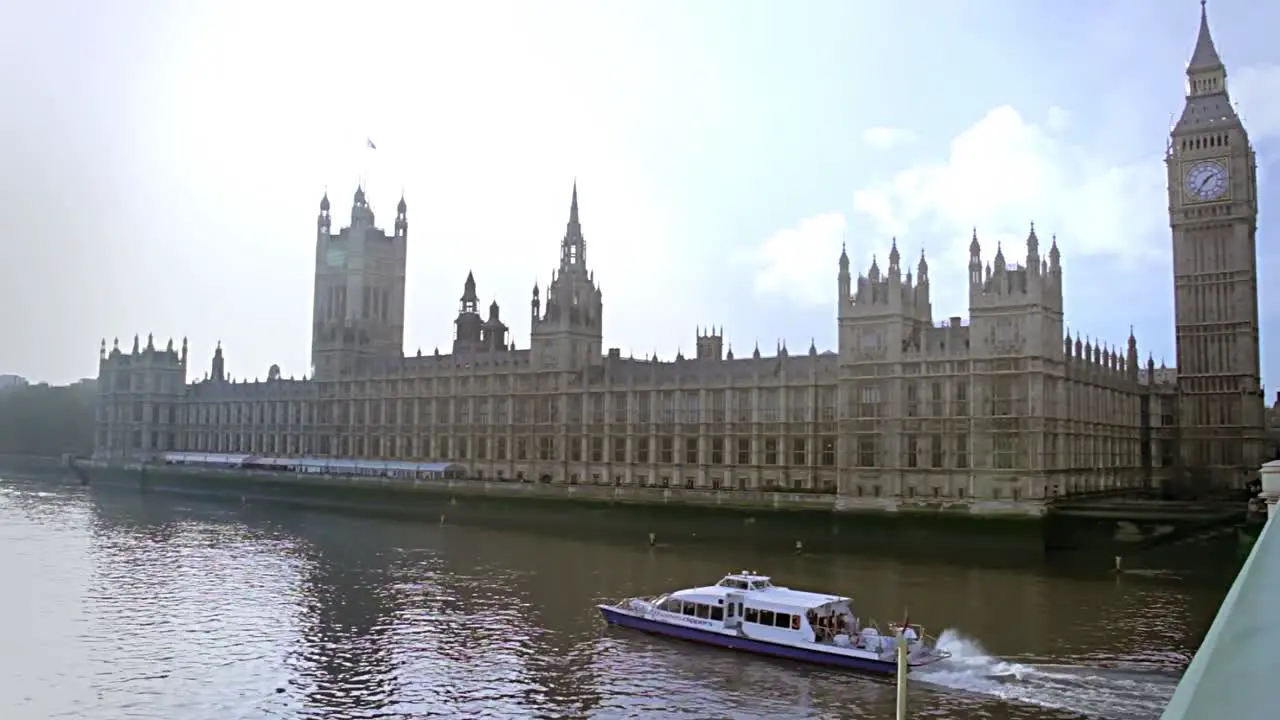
760 591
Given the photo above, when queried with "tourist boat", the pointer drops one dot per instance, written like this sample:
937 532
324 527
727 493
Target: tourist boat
746 611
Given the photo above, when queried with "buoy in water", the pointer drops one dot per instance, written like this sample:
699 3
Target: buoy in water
441 518
653 539
1118 564
799 547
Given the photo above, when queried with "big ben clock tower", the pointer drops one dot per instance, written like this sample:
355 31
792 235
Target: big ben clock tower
1213 214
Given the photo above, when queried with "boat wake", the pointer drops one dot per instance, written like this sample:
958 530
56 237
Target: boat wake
1095 692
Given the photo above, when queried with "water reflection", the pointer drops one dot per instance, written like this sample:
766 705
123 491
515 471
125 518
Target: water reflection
159 608
346 615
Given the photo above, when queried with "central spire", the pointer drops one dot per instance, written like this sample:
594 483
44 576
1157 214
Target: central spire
1205 56
1207 100
573 249
573 206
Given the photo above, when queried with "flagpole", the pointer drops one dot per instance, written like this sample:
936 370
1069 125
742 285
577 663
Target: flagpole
902 669
369 147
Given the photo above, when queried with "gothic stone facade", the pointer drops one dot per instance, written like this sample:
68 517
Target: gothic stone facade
1006 407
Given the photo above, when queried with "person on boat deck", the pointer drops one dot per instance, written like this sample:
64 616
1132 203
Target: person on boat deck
815 622
824 623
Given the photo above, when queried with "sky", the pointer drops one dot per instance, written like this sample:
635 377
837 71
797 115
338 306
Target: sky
162 162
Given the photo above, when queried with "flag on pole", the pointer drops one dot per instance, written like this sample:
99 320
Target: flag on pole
369 141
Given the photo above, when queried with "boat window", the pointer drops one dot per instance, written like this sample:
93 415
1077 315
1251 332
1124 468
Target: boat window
751 615
733 583
671 605
717 613
782 620
690 609
731 606
766 617
704 611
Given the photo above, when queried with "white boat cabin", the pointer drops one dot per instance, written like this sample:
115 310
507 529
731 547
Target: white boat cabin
751 603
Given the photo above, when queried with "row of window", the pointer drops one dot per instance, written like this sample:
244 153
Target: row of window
461 413
693 609
1008 451
865 401
767 618
540 448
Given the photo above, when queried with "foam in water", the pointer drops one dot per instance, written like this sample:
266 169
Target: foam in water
1091 691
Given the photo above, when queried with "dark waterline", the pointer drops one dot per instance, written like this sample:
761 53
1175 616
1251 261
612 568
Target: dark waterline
139 606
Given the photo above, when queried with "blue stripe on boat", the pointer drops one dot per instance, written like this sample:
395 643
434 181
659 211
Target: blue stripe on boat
615 616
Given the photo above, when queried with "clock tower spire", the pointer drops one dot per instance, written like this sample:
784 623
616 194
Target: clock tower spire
1213 211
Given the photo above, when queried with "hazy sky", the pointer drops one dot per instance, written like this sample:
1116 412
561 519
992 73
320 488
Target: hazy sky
162 162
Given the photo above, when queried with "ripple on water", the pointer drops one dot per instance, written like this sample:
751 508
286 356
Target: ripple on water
177 619
142 608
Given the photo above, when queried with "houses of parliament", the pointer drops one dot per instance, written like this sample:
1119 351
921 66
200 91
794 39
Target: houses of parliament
1007 406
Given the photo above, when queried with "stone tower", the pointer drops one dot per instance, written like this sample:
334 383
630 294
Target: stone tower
567 333
140 394
358 315
1213 214
469 327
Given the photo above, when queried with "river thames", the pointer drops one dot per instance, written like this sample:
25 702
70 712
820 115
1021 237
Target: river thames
122 605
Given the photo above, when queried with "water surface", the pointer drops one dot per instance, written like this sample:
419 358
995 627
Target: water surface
120 605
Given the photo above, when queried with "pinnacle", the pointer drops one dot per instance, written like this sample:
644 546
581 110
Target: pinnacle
1205 55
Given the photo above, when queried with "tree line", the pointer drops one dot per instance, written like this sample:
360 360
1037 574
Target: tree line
47 420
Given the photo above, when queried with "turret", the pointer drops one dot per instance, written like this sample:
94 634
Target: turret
468 327
1033 251
361 213
323 220
843 281
975 265
493 334
402 218
710 345
1131 357
923 301
217 370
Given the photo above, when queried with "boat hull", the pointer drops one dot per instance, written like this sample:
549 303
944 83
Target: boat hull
622 618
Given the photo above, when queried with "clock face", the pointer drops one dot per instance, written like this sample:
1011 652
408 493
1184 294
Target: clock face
1206 180
335 258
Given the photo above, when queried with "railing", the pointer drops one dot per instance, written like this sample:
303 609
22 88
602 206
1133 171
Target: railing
1120 492
1235 669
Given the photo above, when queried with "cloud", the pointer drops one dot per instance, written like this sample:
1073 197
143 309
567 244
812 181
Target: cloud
798 263
1257 91
1057 119
999 175
887 138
